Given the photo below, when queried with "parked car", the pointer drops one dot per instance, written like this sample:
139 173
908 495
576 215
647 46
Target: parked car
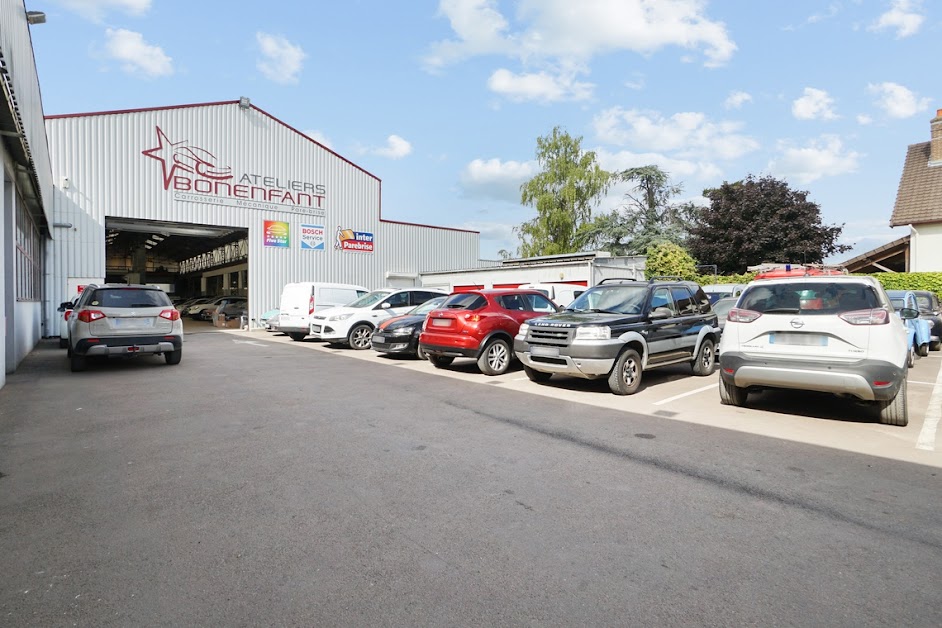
269 319
186 305
717 291
481 324
821 333
930 310
918 330
300 300
400 334
353 324
204 311
124 320
619 328
235 307
721 308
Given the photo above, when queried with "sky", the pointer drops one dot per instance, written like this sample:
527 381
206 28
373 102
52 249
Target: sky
444 100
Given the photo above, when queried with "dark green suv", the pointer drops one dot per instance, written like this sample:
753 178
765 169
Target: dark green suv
620 328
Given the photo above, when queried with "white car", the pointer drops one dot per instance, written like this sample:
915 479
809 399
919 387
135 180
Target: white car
353 324
834 334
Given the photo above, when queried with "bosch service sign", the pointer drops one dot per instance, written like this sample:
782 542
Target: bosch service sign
312 237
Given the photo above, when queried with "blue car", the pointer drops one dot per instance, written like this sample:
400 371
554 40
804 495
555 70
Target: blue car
919 330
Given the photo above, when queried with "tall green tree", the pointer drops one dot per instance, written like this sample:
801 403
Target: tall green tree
649 216
569 185
760 220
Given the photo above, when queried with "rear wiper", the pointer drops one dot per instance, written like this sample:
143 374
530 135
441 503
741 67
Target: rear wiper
779 310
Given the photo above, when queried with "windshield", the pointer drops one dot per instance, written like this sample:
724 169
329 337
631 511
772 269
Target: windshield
615 299
428 306
370 298
464 301
809 298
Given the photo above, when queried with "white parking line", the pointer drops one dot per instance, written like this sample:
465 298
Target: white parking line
682 395
930 424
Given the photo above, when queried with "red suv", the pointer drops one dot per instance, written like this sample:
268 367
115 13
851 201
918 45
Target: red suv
481 324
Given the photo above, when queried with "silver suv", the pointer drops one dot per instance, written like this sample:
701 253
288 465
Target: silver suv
124 320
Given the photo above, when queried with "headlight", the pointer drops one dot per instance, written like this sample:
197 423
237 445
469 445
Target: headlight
594 332
524 328
400 331
340 317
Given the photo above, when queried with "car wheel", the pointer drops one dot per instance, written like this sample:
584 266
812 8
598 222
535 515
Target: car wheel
420 353
731 394
895 411
935 345
495 359
705 362
174 357
923 350
441 361
63 343
360 337
625 378
911 357
77 362
536 376
297 336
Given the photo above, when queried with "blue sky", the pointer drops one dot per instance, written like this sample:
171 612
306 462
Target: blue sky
444 100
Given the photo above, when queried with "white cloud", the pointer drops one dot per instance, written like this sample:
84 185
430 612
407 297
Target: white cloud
736 100
136 55
681 171
319 137
897 101
816 104
903 16
552 29
541 87
690 134
822 157
395 148
864 120
281 60
95 10
496 179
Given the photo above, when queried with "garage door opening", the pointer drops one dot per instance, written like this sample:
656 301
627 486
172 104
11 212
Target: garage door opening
185 259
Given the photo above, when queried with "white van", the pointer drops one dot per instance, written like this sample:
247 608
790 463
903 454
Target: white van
561 293
300 300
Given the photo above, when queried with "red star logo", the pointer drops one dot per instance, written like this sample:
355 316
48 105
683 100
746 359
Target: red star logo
177 155
164 153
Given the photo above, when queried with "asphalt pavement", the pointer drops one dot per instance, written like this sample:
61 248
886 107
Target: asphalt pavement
262 483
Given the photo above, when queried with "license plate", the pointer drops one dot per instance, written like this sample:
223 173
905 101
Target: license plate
379 338
550 352
441 322
131 323
804 340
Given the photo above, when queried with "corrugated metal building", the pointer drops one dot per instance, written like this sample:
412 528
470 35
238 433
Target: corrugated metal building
26 193
223 198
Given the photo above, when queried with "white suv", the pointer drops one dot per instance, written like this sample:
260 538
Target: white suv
353 324
832 334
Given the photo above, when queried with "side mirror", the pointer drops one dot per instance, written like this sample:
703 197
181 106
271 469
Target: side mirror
660 313
908 313
385 305
65 305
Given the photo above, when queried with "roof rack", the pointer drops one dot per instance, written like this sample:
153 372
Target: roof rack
769 271
617 280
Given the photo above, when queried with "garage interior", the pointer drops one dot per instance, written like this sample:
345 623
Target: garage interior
184 259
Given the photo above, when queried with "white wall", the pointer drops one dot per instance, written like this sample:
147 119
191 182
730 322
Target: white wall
925 248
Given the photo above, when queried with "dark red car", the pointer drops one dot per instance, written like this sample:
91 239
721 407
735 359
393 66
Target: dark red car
481 324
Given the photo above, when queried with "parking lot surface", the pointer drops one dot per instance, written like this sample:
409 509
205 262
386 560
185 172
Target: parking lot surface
264 481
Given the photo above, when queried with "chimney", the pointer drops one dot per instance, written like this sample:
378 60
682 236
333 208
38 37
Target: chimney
935 150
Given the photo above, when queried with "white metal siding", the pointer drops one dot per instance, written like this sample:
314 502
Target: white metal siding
108 176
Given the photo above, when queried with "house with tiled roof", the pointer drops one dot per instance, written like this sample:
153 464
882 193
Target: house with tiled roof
919 201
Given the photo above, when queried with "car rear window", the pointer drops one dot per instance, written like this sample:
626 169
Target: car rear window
464 301
129 298
809 298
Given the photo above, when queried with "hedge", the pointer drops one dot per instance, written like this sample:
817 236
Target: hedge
890 281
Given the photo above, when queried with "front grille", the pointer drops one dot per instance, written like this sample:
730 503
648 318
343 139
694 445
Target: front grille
556 336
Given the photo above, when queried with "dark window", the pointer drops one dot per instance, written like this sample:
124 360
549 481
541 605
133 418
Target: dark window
464 301
684 301
809 298
397 299
539 303
513 302
421 296
128 297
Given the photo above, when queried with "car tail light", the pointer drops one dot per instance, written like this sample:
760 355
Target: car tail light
170 315
87 316
68 313
737 315
877 316
472 318
310 306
